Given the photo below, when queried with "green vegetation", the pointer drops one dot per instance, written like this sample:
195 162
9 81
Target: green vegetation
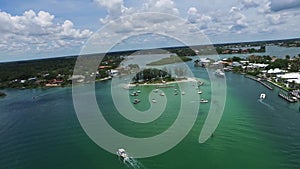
265 59
279 63
170 60
50 72
152 75
240 49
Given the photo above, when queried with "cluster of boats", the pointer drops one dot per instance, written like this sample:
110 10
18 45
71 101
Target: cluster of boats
136 93
176 92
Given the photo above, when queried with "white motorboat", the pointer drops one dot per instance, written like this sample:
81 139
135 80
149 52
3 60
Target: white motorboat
199 92
183 93
153 101
203 101
122 154
134 94
162 94
262 96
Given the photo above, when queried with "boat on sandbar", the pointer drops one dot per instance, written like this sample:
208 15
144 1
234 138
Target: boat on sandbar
199 92
153 101
162 94
183 93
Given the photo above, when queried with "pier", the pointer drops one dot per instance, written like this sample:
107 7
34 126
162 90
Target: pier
265 84
260 81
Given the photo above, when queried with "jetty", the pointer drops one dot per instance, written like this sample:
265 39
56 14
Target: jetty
259 81
265 84
251 77
287 98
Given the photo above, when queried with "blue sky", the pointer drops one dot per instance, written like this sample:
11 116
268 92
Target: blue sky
39 29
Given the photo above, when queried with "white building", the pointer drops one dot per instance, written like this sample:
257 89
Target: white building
290 77
276 71
259 65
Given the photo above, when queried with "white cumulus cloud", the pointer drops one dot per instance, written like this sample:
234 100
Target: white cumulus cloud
37 32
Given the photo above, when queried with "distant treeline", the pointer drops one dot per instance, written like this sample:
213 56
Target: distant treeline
36 73
58 70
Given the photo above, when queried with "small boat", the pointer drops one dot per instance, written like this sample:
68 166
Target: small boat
153 101
203 101
136 101
199 92
262 96
183 93
162 94
122 154
200 83
155 91
134 94
176 93
138 91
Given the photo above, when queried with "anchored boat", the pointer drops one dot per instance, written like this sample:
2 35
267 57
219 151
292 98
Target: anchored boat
203 101
136 101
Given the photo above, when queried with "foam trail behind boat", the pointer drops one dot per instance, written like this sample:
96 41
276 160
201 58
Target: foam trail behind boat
266 104
134 164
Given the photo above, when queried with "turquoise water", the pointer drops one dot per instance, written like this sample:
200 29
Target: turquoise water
39 129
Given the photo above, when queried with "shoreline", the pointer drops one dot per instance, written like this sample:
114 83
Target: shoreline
188 79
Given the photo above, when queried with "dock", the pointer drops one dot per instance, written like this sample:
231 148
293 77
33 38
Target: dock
265 84
287 98
260 81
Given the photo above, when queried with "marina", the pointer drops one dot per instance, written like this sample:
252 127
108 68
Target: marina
287 98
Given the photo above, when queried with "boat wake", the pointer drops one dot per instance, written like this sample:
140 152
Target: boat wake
266 104
133 163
